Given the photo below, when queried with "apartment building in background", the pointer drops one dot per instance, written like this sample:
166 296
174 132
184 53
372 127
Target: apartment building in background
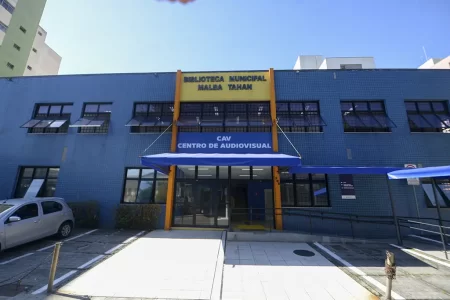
318 62
23 51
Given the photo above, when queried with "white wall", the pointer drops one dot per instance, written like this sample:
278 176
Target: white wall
5 16
436 63
335 62
314 62
45 61
308 62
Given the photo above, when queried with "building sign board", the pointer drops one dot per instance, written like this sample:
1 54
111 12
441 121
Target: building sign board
412 181
347 186
224 142
225 86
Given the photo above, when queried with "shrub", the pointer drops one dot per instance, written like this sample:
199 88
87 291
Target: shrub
137 216
86 213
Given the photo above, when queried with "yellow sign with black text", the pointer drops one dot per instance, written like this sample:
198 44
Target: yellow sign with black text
225 86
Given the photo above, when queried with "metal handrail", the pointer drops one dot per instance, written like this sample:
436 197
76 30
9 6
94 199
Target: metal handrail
346 217
421 223
420 218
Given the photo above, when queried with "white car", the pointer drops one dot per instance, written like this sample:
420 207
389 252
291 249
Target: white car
26 220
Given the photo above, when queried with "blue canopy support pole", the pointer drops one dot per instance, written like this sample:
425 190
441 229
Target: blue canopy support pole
438 207
394 215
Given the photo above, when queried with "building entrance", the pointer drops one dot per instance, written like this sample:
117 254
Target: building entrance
251 205
201 204
211 196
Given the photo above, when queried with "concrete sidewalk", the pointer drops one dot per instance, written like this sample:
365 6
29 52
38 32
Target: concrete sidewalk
163 265
417 278
271 270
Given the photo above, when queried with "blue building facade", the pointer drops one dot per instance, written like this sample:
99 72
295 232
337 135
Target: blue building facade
93 166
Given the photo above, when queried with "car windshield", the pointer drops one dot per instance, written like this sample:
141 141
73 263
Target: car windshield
5 207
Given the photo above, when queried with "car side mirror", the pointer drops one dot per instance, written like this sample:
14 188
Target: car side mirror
13 219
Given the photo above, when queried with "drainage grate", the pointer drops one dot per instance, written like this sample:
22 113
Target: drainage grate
304 253
13 289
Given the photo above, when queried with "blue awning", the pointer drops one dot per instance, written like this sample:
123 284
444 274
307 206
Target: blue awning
342 170
443 171
162 161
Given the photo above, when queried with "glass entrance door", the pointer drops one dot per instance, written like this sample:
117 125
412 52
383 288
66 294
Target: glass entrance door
201 204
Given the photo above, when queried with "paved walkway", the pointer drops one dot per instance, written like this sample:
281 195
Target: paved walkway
163 265
417 278
262 270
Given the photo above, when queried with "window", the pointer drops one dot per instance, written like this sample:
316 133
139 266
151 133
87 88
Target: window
442 192
151 117
49 118
3 26
8 6
17 47
299 117
303 190
27 174
49 207
23 29
144 185
224 117
29 68
223 172
10 65
95 118
365 116
40 33
27 211
428 116
351 66
34 50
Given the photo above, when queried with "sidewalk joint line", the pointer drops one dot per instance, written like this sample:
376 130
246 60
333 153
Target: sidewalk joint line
357 271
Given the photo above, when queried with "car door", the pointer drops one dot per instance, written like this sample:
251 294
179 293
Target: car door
27 229
52 216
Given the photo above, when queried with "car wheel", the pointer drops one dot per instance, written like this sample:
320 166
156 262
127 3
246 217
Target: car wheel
65 230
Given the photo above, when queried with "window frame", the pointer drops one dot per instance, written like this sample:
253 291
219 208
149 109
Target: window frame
359 116
292 113
3 27
431 112
20 177
63 129
139 179
8 6
19 208
46 201
221 120
294 180
104 116
158 118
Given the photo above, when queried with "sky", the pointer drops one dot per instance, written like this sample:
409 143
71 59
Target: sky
114 36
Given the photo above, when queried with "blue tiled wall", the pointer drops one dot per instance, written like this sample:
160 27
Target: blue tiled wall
367 149
93 168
